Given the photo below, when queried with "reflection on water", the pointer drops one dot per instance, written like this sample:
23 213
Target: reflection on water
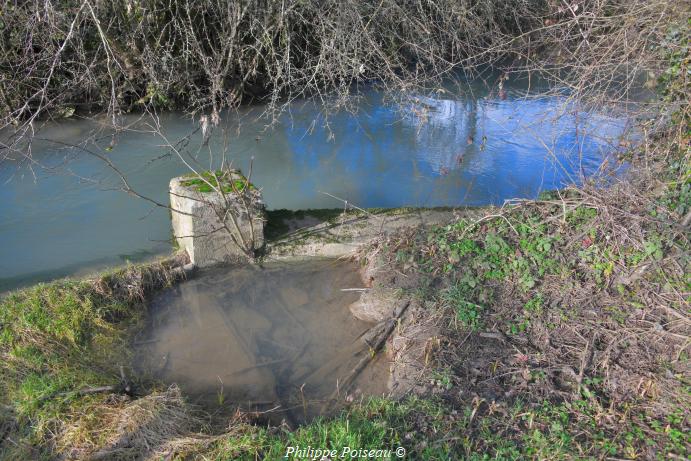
281 336
444 150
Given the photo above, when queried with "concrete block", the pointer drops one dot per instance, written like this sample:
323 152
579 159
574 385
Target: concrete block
217 226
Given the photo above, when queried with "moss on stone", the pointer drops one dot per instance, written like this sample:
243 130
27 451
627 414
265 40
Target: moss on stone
229 181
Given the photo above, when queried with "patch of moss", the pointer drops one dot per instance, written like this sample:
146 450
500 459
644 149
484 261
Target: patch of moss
211 181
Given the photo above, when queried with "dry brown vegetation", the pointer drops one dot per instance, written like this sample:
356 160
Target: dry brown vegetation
206 55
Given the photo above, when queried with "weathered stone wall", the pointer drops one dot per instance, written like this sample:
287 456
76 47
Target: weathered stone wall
203 223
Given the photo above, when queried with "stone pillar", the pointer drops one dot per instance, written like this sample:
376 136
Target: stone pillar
217 223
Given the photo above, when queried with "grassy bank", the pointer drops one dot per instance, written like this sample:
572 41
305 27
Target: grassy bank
565 323
59 343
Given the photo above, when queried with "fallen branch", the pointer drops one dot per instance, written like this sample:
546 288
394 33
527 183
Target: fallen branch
374 348
124 387
85 391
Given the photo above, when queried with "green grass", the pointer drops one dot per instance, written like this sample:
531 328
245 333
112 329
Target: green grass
417 425
56 339
430 429
67 311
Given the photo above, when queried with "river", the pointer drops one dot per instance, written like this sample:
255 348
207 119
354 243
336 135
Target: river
63 214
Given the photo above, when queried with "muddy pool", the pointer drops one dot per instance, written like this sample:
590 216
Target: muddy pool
276 339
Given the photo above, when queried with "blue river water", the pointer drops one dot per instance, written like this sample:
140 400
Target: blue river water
63 213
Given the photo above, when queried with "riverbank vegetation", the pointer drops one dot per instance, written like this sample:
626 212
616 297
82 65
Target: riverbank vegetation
563 322
58 59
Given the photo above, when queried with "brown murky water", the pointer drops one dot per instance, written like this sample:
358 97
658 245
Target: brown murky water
279 337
